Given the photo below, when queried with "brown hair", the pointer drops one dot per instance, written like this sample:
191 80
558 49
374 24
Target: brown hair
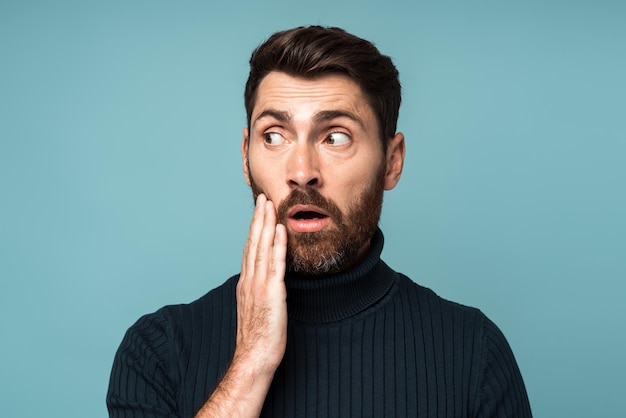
315 51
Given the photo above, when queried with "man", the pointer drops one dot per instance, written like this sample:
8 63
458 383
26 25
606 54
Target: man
316 325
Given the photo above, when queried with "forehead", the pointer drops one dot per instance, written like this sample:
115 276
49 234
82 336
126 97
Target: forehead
297 95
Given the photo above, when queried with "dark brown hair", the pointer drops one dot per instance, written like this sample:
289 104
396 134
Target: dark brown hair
315 51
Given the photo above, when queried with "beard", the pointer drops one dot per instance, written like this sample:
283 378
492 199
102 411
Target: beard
339 245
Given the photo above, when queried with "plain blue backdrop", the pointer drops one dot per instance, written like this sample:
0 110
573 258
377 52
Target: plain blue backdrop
121 187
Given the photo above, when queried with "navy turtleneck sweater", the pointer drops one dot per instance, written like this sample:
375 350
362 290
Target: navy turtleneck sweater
367 342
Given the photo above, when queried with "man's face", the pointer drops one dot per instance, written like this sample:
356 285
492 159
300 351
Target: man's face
314 150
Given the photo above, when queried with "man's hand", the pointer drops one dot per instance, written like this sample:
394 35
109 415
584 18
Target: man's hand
261 294
261 320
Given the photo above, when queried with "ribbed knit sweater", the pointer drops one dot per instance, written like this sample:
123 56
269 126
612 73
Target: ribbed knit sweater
367 342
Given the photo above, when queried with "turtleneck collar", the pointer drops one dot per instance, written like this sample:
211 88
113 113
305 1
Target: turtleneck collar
341 295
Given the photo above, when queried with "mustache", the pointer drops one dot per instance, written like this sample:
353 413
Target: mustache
308 197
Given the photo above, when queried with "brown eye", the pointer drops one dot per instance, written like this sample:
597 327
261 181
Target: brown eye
273 138
337 138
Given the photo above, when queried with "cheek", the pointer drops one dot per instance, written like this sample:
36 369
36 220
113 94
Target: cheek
349 190
264 181
358 175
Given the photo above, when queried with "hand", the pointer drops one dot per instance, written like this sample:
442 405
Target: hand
261 320
261 293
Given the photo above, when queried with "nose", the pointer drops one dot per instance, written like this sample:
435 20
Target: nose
303 169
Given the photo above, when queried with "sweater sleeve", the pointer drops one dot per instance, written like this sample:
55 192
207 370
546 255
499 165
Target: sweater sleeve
502 391
141 384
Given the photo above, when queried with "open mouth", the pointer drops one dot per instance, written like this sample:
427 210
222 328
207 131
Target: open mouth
307 218
306 212
305 215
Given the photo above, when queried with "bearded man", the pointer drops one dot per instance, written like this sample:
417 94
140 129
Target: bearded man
316 324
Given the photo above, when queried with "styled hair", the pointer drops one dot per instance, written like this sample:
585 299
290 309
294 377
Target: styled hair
315 51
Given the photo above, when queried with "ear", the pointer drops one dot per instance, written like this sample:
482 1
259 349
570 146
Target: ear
395 161
244 155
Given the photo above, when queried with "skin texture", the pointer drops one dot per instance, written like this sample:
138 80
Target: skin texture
316 135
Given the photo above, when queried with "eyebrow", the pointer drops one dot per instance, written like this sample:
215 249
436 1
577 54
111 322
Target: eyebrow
320 117
328 115
279 115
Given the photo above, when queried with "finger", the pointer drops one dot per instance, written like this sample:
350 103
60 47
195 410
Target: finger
266 243
256 227
279 253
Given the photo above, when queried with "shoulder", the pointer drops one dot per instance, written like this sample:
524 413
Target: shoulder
436 308
427 302
495 379
452 321
172 318
217 299
152 361
156 332
496 382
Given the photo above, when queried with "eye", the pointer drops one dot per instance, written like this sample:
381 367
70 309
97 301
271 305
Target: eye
337 138
273 138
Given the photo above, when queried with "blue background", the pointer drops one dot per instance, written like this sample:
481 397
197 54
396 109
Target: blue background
121 187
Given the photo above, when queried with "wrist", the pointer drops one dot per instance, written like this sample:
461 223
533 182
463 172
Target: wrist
255 365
